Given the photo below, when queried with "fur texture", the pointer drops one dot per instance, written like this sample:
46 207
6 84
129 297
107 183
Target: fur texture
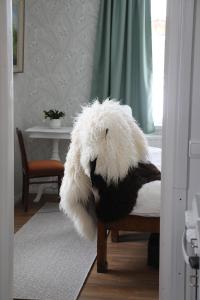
107 134
117 200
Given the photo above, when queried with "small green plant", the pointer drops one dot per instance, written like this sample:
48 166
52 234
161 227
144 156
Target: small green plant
53 114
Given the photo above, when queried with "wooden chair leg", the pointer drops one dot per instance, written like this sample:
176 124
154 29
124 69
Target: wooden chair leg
115 235
101 248
26 193
59 184
23 189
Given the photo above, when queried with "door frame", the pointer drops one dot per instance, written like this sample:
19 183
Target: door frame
175 136
178 67
6 151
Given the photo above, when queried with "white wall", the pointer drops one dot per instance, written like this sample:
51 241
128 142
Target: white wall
58 49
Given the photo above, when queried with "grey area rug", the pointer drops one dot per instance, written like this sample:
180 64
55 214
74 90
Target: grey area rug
51 261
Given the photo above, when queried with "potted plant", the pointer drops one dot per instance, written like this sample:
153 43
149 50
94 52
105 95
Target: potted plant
54 117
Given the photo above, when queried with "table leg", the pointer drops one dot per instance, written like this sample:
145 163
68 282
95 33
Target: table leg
55 150
41 189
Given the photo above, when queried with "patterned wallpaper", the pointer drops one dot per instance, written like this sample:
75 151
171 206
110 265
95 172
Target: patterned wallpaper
58 49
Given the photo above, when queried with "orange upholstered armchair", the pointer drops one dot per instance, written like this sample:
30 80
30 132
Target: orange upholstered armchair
37 169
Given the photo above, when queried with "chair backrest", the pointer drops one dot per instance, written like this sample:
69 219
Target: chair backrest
22 151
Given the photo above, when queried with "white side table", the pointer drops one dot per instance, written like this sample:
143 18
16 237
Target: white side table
39 132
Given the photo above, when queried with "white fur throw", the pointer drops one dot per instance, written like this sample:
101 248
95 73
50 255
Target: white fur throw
109 133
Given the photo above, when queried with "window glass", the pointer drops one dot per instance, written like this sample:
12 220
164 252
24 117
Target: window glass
158 15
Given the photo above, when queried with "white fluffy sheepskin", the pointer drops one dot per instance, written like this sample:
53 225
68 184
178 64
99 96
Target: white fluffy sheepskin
109 133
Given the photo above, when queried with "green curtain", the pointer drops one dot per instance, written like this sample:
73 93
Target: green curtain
123 57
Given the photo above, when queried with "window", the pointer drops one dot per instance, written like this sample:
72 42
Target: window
158 16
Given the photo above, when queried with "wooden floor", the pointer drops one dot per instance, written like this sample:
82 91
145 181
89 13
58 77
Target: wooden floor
129 277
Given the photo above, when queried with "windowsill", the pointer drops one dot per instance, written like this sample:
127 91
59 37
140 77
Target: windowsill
155 138
158 129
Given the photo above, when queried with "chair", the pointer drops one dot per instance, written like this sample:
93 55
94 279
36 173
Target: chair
37 169
129 223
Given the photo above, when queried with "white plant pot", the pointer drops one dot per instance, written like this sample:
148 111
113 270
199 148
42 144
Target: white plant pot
55 123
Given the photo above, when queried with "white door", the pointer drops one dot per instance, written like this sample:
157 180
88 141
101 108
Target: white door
176 133
194 133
